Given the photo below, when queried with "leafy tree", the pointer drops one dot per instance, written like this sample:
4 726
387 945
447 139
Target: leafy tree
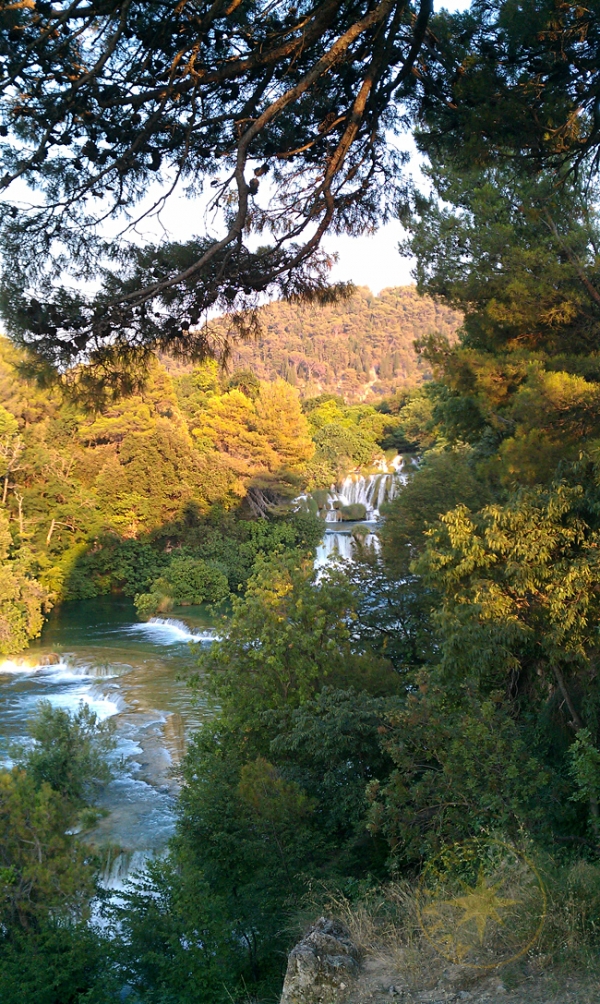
166 97
185 581
69 752
275 784
246 831
504 80
516 584
23 601
444 478
285 639
461 767
516 254
281 422
331 746
43 867
175 942
48 950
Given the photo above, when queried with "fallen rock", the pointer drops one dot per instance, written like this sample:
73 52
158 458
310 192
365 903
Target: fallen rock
322 966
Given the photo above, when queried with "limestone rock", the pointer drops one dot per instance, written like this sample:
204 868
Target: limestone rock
322 966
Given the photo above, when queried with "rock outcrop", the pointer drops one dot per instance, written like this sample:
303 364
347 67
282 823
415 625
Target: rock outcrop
326 967
322 967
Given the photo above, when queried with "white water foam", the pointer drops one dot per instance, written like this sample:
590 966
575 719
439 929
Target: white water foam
118 871
9 667
60 671
338 546
370 490
169 631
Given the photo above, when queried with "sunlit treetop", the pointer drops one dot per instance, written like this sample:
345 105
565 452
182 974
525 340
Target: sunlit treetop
282 111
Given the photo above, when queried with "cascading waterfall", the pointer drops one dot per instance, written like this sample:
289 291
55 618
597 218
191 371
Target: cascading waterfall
368 490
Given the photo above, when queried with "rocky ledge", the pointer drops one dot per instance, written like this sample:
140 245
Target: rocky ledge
327 967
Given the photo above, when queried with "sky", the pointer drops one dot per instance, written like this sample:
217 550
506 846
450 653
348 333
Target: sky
371 260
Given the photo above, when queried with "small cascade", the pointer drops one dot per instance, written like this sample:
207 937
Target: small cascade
120 869
339 545
334 545
170 631
56 669
102 706
356 499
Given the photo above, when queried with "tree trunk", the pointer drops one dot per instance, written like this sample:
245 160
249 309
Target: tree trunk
19 499
50 532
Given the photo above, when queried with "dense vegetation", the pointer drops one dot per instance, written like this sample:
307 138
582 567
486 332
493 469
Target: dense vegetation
164 494
367 717
361 347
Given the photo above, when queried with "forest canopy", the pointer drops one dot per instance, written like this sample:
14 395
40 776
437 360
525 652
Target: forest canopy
361 347
366 718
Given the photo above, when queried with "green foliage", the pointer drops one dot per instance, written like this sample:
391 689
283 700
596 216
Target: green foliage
353 512
175 944
341 448
360 347
285 639
275 784
48 950
185 581
61 962
541 117
516 584
43 867
331 746
442 479
69 752
461 767
584 767
23 601
246 831
104 502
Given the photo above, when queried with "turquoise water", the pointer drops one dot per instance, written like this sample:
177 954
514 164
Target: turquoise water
97 651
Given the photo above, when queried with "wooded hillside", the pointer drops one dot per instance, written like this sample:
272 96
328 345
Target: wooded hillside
361 347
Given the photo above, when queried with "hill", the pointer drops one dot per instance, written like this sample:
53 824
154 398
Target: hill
361 348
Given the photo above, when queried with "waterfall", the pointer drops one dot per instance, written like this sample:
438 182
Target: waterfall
170 631
368 490
118 870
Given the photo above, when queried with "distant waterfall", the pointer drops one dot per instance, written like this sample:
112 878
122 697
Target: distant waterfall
339 545
369 490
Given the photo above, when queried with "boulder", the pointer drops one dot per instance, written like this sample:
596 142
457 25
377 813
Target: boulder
322 966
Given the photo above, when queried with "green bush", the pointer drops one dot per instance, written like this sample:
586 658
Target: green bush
185 582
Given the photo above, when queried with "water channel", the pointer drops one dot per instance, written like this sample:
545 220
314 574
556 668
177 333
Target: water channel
97 651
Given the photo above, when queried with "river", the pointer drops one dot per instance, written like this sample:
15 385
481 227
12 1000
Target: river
97 651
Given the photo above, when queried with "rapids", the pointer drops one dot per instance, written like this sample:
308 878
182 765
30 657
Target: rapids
96 651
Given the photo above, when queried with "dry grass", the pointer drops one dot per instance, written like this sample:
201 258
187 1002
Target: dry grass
384 925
